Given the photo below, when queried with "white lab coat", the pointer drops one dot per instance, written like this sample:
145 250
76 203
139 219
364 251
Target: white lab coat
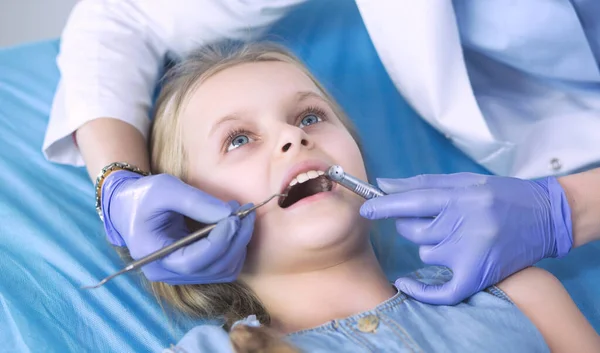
514 84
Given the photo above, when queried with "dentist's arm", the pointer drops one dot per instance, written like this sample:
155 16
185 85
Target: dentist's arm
105 140
583 194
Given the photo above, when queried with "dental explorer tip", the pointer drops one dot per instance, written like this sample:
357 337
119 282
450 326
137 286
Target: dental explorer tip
335 173
95 286
101 283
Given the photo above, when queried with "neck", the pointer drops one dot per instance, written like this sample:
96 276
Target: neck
304 300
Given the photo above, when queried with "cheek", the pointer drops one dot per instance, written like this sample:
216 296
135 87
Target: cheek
229 180
344 150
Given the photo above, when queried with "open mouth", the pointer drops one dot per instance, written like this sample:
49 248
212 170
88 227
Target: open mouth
305 185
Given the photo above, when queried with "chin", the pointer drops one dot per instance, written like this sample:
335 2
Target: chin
328 225
324 222
324 231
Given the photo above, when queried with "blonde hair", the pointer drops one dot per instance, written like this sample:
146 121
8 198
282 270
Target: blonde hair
230 301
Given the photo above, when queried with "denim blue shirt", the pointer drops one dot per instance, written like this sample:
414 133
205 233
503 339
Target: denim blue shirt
486 322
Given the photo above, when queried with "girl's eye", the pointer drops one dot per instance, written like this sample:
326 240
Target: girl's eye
238 141
309 120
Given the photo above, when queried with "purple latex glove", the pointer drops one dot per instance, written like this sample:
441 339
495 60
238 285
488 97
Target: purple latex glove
485 227
147 213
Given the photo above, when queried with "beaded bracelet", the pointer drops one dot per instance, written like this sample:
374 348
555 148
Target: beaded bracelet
104 173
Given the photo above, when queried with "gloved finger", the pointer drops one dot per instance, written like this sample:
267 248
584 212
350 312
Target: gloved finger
204 252
243 208
442 294
227 264
191 202
229 269
419 231
154 272
430 181
233 272
229 275
429 254
235 206
417 203
199 277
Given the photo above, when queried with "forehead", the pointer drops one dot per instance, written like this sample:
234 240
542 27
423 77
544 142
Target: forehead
247 87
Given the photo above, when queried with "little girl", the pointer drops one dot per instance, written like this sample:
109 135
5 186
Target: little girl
245 123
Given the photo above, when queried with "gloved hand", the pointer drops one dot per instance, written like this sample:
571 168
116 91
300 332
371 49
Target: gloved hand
484 228
147 213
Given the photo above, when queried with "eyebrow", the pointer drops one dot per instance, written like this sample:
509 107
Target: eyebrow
304 95
298 97
225 119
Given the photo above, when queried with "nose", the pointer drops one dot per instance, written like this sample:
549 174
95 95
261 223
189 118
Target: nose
293 139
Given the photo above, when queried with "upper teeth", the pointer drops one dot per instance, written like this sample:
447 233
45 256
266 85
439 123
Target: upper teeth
302 177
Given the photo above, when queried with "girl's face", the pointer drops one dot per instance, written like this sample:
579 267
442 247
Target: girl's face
251 130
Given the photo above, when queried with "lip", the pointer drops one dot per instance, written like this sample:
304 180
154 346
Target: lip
302 167
312 198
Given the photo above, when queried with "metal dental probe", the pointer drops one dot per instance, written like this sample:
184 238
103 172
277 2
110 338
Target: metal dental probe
336 173
193 237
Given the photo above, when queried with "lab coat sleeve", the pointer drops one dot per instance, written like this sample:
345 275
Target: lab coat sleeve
112 52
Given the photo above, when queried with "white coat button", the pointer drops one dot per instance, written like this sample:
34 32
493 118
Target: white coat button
368 323
555 164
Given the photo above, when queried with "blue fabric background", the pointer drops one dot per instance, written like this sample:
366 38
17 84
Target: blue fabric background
51 240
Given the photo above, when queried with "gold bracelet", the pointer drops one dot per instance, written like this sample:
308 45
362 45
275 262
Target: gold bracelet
105 172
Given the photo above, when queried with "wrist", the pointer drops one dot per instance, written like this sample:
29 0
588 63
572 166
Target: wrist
115 185
104 174
583 194
561 218
107 139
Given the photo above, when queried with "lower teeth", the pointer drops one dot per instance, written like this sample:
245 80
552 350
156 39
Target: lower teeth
324 184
